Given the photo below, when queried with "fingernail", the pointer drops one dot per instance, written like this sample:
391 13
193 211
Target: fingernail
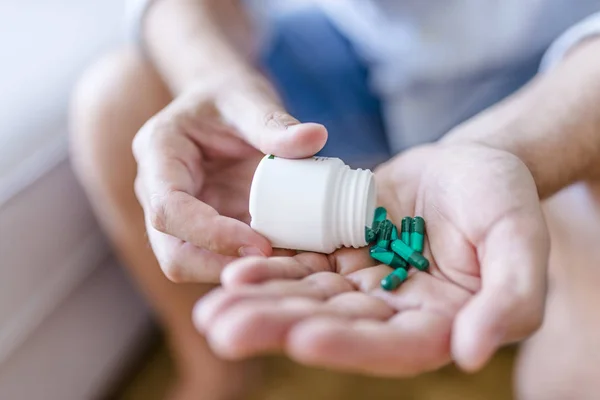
250 251
281 120
293 127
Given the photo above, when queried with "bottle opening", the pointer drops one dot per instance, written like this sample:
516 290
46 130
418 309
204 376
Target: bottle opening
371 203
357 197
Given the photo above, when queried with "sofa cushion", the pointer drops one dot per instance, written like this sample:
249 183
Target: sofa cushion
49 240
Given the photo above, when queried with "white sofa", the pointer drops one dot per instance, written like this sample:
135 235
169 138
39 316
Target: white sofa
69 318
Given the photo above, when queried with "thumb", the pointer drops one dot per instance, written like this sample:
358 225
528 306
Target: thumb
510 306
262 121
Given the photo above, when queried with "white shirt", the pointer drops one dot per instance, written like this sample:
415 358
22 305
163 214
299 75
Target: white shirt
434 61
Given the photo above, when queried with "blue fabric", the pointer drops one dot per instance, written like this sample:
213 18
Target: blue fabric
321 79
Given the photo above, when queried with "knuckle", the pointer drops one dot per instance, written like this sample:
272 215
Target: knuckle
215 239
173 268
151 134
138 189
528 311
141 139
159 211
162 124
533 322
209 241
138 144
158 219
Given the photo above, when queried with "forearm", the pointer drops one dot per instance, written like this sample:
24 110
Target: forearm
552 124
188 43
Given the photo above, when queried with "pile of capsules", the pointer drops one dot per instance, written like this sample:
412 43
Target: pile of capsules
397 251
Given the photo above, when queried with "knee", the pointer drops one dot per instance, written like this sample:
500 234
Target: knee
560 361
101 92
555 373
111 101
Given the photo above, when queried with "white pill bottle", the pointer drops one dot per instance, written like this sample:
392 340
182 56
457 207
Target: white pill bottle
314 204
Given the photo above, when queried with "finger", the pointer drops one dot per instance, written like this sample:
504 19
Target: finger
320 286
348 260
261 269
262 121
369 279
258 326
411 343
173 211
169 178
254 327
422 291
253 270
355 305
182 262
510 305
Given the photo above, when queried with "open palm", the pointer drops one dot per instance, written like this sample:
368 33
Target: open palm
488 246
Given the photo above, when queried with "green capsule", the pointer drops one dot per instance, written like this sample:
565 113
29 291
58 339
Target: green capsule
394 279
385 234
380 214
396 262
417 234
389 258
377 249
412 257
405 228
394 234
378 219
370 235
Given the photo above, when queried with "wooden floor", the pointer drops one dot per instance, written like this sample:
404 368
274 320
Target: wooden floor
289 381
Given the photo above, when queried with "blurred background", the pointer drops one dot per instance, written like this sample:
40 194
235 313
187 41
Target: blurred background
71 324
69 319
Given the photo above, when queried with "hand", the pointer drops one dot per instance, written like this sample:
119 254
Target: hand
488 247
196 159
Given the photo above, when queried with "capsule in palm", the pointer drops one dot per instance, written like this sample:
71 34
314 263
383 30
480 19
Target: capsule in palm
413 257
385 234
405 227
417 234
370 235
378 219
388 257
394 234
394 279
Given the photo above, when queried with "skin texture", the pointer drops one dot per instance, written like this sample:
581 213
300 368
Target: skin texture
488 249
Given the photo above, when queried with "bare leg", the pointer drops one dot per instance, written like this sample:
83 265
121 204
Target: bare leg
562 361
113 100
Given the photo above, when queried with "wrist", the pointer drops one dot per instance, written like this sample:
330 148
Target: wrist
224 87
509 127
551 124
188 42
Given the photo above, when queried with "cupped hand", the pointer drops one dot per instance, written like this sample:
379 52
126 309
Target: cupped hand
196 159
488 246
